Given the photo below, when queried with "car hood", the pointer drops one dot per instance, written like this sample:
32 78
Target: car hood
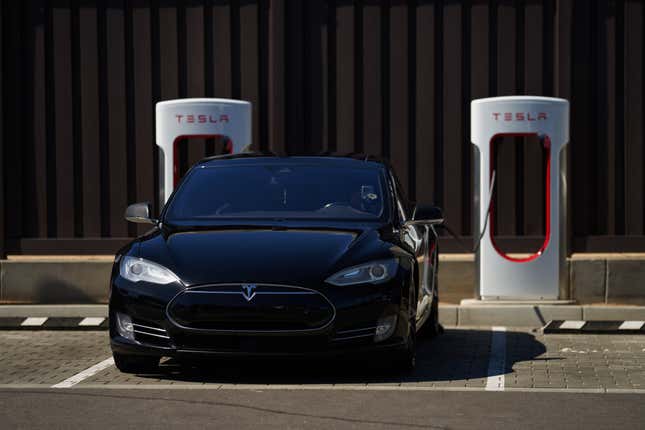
289 256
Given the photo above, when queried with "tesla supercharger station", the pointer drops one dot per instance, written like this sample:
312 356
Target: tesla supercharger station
537 276
203 118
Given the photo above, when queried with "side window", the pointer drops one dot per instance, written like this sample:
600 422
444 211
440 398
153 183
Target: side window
401 202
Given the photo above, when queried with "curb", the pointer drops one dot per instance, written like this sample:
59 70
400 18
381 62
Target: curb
54 323
580 319
594 327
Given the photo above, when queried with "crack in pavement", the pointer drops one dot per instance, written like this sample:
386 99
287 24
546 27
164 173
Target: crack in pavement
233 405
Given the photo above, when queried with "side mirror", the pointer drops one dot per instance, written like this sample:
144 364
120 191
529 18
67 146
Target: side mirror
139 213
427 214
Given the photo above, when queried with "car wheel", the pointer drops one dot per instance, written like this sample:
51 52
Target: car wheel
135 363
405 359
432 327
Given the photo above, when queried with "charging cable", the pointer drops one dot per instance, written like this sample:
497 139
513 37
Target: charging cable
459 240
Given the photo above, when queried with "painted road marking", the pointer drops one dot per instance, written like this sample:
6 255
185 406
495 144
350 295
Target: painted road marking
573 325
497 360
631 325
91 321
34 321
81 376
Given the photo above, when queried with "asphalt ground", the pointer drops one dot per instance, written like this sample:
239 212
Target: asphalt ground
466 378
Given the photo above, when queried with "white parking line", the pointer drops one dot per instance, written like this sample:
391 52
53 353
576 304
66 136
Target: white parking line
631 325
34 321
497 360
573 325
81 376
91 321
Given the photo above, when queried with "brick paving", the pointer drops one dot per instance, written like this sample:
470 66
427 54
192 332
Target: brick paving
48 357
586 361
457 359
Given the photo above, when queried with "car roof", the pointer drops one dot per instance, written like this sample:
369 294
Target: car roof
267 158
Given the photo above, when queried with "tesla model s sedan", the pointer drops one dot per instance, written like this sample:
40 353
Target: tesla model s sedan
257 255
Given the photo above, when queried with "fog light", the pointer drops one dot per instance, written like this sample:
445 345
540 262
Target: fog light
385 327
124 326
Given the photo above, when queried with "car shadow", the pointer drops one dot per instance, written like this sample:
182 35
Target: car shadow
458 354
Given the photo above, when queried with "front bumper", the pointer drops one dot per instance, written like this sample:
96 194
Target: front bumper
124 346
350 331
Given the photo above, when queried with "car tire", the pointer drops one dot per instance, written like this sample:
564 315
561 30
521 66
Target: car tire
135 363
432 327
404 360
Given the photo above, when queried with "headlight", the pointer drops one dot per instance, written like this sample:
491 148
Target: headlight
137 269
375 272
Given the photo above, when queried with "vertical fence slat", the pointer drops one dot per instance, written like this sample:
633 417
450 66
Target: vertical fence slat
633 40
562 77
249 63
277 88
533 179
480 34
169 80
168 62
398 108
39 120
89 74
345 121
324 75
452 115
581 119
62 44
143 106
466 158
505 184
2 140
12 101
331 75
28 139
116 97
425 113
195 84
294 75
608 210
563 47
603 116
314 20
222 49
194 51
372 79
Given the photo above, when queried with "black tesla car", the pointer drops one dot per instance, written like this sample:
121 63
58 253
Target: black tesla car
260 255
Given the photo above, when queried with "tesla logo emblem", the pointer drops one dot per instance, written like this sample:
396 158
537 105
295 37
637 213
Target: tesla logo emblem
201 119
519 116
248 291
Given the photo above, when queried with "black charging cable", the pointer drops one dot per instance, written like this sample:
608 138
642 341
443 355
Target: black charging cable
458 238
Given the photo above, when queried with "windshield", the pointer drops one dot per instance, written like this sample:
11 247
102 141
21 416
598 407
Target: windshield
273 191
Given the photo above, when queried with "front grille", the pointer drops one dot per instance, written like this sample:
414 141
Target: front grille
250 343
262 308
149 333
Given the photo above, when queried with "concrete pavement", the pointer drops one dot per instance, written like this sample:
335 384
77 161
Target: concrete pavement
461 359
285 409
467 378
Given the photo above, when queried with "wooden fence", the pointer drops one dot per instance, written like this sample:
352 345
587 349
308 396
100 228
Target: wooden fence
79 80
